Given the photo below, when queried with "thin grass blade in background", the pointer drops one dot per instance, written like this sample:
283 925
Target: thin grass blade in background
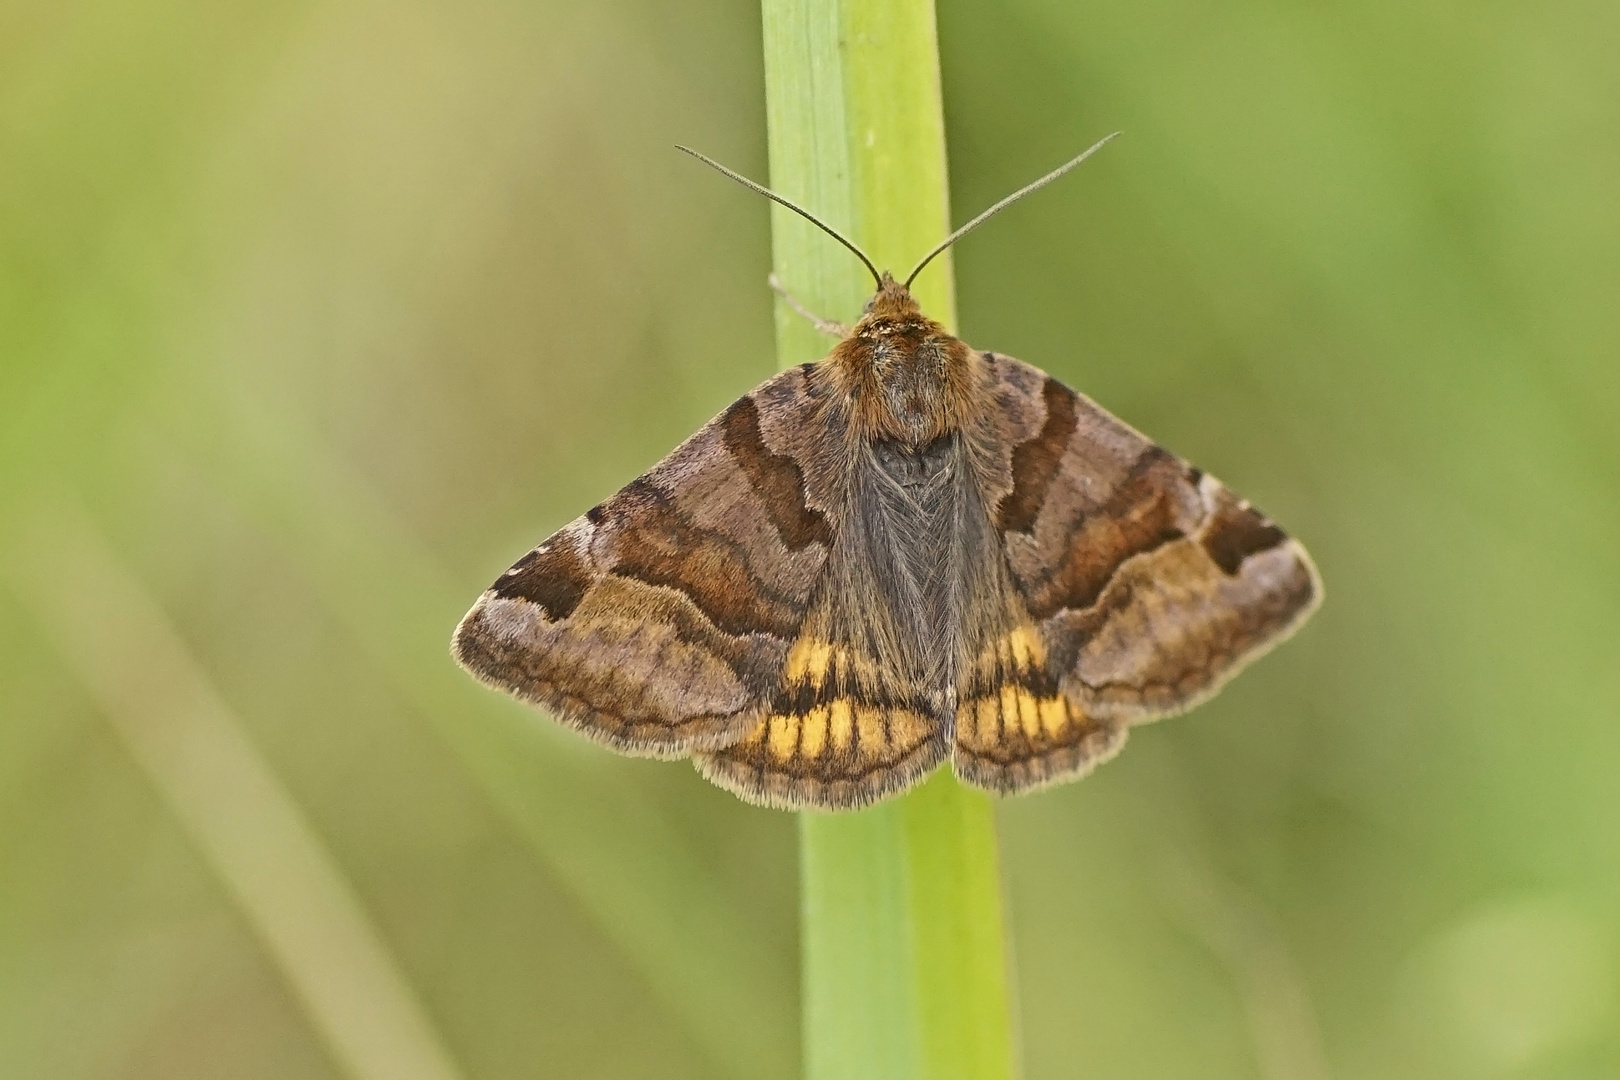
248 828
637 877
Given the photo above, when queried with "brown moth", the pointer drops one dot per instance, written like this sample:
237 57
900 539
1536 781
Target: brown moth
909 551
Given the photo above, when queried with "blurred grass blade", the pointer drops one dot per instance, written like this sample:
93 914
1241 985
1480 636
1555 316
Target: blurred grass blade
905 971
229 801
698 948
1239 930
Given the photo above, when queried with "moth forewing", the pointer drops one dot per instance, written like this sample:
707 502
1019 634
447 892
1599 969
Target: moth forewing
659 621
1146 583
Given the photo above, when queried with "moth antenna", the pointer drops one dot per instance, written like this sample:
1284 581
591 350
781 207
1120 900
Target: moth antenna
1003 204
801 211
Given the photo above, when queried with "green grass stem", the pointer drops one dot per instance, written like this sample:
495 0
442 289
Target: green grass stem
905 962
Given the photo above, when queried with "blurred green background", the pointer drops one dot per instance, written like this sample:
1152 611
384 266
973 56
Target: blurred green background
314 315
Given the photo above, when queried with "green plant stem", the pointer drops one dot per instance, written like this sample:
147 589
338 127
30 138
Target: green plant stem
905 963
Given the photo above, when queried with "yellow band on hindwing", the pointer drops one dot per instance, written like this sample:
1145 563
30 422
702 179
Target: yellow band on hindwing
1017 652
814 735
843 724
1012 704
809 662
1014 714
863 736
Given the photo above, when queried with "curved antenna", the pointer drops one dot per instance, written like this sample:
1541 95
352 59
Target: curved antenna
1004 203
801 211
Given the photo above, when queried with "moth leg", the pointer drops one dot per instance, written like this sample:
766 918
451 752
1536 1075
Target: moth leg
825 326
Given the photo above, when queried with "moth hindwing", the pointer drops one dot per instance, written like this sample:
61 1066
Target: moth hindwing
907 552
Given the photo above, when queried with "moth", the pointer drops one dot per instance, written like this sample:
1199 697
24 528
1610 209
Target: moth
907 552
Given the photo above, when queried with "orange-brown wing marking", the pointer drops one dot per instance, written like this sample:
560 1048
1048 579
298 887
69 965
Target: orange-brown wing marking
659 621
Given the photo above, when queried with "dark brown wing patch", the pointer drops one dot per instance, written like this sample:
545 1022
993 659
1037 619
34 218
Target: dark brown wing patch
1235 531
1036 463
554 577
776 478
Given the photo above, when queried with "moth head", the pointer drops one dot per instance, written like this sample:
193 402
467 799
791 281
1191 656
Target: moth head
892 303
893 330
